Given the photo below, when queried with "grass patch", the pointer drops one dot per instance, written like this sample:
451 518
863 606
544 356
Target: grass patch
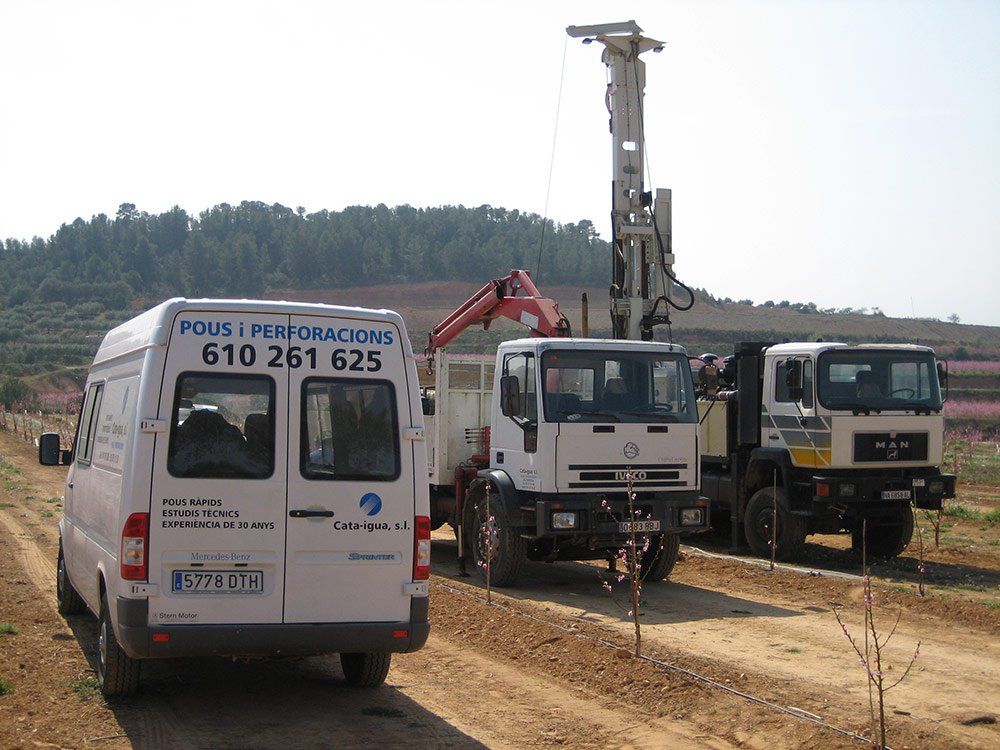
967 587
6 506
993 604
47 514
52 500
7 628
793 650
86 687
958 510
5 687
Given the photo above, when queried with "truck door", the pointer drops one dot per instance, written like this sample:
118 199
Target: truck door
792 422
217 510
349 547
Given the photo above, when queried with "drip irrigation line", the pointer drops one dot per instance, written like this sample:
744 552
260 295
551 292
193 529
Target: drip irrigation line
816 572
798 713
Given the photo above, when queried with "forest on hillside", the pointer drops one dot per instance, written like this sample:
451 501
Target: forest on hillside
243 250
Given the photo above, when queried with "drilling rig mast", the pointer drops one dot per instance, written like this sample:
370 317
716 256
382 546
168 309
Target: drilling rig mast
642 262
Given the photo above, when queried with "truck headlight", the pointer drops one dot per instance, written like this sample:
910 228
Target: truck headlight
848 489
692 516
935 487
563 520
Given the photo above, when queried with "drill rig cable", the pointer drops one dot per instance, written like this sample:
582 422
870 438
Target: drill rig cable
659 242
552 161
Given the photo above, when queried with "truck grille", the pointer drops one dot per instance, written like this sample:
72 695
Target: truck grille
615 475
870 447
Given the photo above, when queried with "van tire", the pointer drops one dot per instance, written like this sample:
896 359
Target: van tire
365 670
511 550
886 540
658 561
792 529
117 672
68 601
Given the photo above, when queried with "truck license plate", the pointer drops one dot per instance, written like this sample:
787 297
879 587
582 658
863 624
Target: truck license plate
895 494
218 582
627 527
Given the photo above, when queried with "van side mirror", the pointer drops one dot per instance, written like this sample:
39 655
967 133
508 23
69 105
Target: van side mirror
510 396
793 378
48 449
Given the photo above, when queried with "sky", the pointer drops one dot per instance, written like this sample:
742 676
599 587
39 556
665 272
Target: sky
835 151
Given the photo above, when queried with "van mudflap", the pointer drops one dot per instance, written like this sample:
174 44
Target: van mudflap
136 636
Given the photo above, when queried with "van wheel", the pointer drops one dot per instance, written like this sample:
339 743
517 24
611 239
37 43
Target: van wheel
68 601
758 520
659 559
888 538
499 540
117 672
365 670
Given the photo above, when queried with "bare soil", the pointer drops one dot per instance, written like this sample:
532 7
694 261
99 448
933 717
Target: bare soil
546 666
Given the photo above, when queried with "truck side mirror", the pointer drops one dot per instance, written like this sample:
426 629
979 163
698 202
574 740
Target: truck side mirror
510 396
48 449
793 378
942 371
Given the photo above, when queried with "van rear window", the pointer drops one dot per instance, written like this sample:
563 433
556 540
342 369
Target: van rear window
349 430
222 427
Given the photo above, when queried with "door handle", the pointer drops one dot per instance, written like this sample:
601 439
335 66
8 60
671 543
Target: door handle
311 513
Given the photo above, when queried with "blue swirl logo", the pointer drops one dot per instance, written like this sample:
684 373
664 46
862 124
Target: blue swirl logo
371 504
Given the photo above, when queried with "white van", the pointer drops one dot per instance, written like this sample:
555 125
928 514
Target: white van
248 478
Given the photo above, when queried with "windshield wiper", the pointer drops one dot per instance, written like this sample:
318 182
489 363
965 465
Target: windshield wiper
856 408
917 406
608 414
658 414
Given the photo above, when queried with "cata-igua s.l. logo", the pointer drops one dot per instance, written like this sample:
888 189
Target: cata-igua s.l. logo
631 450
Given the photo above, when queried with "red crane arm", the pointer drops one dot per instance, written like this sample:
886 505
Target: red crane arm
502 298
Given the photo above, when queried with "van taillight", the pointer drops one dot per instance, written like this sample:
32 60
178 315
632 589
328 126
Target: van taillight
422 549
135 541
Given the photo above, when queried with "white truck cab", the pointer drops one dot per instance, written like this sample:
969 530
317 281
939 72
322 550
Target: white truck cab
247 479
552 430
847 437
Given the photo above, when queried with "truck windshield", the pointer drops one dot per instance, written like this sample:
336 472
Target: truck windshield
878 380
617 386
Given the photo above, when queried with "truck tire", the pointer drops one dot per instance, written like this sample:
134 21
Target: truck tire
510 549
68 601
660 558
365 670
117 672
888 538
791 532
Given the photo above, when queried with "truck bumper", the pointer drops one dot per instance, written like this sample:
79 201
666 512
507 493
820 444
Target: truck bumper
924 491
599 515
142 641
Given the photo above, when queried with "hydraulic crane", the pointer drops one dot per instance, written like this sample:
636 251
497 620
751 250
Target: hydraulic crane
642 254
514 296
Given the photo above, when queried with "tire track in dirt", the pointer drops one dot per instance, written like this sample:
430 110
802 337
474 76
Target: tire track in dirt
40 569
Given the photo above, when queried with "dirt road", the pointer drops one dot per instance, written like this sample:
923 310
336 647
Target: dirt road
527 673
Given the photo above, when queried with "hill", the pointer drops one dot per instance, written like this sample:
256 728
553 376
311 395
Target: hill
59 296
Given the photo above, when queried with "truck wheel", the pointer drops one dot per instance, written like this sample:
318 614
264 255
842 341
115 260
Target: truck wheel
886 539
117 672
509 548
757 520
365 670
67 599
659 559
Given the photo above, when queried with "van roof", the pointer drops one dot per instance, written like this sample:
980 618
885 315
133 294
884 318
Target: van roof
152 328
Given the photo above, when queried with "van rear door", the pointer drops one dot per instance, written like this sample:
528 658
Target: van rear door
349 545
218 503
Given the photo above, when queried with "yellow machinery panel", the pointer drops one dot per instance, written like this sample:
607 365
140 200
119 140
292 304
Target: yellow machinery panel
712 434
